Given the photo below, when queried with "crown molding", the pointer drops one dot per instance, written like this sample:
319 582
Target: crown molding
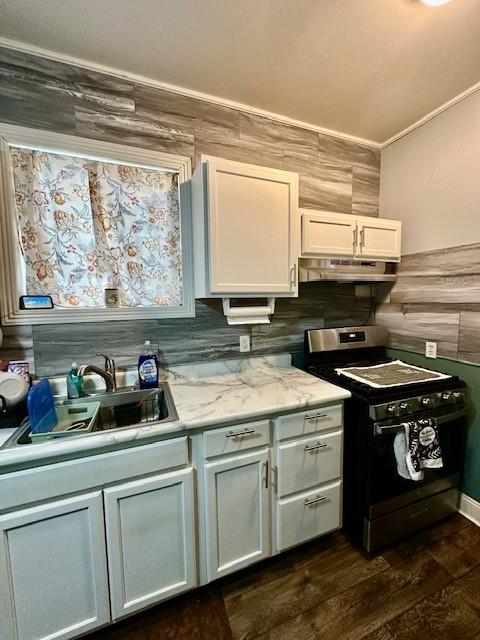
191 93
432 114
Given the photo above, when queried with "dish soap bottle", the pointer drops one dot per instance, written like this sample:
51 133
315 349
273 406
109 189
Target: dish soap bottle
74 383
148 368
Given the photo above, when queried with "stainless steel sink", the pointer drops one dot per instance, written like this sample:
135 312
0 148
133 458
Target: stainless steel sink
120 409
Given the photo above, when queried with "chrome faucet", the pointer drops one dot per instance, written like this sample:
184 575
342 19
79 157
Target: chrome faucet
108 374
110 368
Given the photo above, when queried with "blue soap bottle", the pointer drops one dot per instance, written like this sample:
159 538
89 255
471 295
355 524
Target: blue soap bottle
148 368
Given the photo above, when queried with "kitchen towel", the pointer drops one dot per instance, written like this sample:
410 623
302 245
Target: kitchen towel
400 449
422 448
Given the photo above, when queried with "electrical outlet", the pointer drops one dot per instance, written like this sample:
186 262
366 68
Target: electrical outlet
245 343
430 349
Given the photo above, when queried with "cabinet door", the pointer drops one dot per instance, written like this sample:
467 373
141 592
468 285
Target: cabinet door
53 570
379 239
328 234
253 218
151 540
237 496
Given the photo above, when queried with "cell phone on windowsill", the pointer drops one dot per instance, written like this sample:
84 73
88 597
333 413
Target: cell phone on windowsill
36 302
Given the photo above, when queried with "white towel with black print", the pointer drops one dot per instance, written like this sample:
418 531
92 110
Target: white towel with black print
423 449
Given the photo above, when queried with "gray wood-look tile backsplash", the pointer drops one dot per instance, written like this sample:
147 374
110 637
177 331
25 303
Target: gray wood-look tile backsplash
436 297
334 174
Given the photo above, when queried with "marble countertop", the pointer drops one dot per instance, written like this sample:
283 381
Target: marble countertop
205 395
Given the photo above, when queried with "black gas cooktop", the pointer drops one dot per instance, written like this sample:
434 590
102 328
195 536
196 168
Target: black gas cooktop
374 395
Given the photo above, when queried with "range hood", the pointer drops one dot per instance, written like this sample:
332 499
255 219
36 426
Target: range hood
339 270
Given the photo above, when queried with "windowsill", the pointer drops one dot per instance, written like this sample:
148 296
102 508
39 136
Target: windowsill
71 316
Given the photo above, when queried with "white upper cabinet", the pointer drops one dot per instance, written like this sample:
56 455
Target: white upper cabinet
328 234
332 235
379 238
246 236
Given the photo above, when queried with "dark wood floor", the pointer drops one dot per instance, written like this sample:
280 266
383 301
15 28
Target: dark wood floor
427 587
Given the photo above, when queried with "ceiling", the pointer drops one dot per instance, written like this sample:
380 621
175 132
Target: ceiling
367 68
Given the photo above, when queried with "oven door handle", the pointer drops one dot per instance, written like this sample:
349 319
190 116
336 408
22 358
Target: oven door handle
381 430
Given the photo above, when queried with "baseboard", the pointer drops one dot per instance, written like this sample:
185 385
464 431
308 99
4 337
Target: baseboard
469 508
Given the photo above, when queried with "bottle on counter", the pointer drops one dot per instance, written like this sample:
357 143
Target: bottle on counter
148 367
74 383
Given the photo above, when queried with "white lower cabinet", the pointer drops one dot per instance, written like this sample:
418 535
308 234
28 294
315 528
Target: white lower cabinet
237 512
150 527
308 462
54 582
308 515
53 570
308 459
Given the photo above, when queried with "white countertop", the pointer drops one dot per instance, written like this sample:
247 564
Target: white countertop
205 395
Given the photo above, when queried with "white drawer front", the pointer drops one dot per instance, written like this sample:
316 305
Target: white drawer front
295 425
307 516
62 478
306 463
240 437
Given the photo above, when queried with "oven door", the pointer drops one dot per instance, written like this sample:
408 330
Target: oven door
387 490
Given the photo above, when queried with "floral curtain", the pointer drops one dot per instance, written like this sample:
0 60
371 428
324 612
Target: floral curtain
87 225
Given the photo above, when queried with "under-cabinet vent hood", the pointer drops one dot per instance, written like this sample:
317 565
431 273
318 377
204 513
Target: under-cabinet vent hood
338 270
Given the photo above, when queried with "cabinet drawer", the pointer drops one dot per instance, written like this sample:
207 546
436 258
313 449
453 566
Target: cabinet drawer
307 516
306 463
240 437
295 425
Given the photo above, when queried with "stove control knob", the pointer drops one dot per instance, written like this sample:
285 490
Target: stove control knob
426 402
391 409
447 396
404 407
458 395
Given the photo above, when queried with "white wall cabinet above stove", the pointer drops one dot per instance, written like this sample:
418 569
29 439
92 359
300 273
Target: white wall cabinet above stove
246 230
328 235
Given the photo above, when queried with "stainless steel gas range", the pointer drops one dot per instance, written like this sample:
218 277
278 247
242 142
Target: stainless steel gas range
380 506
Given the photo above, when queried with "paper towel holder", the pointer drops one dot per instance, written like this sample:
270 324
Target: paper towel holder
248 315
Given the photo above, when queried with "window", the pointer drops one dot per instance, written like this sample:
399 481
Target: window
81 218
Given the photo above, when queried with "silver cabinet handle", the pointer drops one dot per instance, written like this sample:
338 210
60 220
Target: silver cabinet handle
316 416
362 236
355 235
316 446
239 434
316 500
266 467
293 275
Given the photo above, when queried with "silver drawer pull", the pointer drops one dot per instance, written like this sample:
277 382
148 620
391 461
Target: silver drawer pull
316 416
315 500
316 446
239 434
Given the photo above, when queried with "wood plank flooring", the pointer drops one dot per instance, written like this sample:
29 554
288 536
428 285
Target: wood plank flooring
424 588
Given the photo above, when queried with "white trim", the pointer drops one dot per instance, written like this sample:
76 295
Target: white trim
11 314
191 93
432 114
469 508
